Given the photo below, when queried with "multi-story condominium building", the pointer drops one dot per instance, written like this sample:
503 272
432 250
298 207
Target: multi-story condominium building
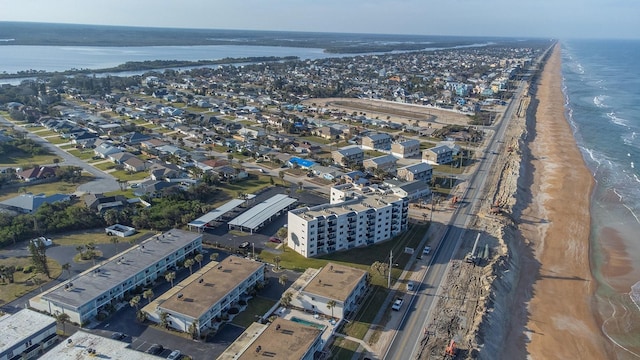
365 220
87 294
342 284
377 142
26 334
350 155
385 163
84 345
205 296
281 339
420 171
437 155
406 148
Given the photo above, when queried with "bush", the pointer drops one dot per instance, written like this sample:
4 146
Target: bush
234 311
28 269
19 268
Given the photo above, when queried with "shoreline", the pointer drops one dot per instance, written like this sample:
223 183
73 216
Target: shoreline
555 282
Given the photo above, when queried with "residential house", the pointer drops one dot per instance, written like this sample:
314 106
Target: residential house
164 171
348 156
420 171
406 149
105 150
28 203
411 190
385 163
100 202
380 141
37 173
437 155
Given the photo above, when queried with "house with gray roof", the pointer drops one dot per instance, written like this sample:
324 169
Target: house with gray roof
348 155
437 155
380 141
28 203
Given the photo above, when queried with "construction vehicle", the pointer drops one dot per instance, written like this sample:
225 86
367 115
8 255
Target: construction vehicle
451 350
454 201
471 256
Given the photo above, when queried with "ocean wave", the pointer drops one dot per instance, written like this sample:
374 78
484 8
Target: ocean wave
599 101
7 40
616 120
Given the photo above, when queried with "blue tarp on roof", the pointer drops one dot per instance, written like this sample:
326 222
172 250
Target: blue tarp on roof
303 163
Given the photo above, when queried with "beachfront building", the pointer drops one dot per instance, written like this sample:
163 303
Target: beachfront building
86 295
26 334
83 345
344 285
437 155
205 297
348 156
420 171
386 163
281 339
411 190
380 141
367 219
406 149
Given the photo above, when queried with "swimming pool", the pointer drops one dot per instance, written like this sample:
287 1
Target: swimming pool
308 323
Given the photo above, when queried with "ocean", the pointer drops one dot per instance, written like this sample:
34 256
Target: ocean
602 87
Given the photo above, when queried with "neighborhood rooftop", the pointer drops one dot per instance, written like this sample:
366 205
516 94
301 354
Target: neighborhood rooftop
335 281
104 277
216 281
283 339
15 328
77 347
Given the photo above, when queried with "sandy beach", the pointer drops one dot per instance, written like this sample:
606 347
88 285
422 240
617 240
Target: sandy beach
555 279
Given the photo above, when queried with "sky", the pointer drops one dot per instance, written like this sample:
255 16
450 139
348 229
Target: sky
511 18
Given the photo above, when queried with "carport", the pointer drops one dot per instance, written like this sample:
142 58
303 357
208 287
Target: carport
213 215
257 216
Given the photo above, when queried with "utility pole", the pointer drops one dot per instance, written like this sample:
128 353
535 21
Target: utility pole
390 267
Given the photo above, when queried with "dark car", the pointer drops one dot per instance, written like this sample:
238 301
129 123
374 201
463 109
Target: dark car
155 349
118 336
274 239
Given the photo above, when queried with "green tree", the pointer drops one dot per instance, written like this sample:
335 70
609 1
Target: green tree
331 304
194 330
277 261
66 267
148 295
286 298
170 276
135 301
62 319
199 258
164 319
281 175
214 256
283 279
188 264
38 252
141 316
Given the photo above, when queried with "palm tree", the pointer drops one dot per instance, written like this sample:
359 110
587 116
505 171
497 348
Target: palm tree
114 240
148 294
199 259
193 329
277 261
281 174
66 267
164 319
285 300
80 249
188 264
141 316
170 276
214 256
283 279
135 301
331 304
62 319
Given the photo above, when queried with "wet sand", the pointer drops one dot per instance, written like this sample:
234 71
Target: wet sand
561 322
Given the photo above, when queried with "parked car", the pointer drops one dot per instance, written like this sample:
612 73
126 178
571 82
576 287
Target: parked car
427 250
274 239
155 349
397 304
410 286
118 336
244 245
175 354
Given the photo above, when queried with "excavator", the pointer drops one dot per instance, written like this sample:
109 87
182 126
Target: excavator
451 350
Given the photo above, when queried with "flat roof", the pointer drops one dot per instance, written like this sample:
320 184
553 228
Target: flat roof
258 214
283 339
14 329
335 281
77 347
362 202
218 279
216 213
101 278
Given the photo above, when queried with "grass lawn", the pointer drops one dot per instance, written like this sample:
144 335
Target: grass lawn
316 139
161 130
257 306
127 193
96 236
373 153
82 154
43 133
56 140
68 147
23 283
426 145
105 166
343 349
125 175
22 159
47 188
248 186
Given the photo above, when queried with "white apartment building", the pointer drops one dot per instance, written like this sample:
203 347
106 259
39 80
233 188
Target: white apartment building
26 334
365 220
89 293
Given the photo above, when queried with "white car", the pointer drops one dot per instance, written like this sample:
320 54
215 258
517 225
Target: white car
427 250
410 286
175 354
397 304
